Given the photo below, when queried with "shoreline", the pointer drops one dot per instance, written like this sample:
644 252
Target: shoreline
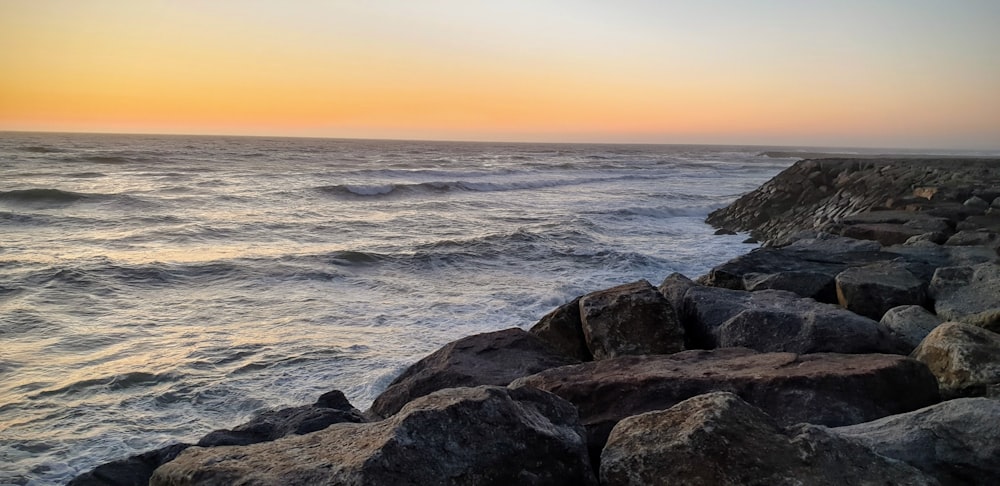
848 241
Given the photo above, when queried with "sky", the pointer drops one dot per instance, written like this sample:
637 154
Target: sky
875 73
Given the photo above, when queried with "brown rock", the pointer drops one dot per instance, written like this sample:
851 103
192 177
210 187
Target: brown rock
630 319
964 358
460 436
717 439
562 330
825 389
493 358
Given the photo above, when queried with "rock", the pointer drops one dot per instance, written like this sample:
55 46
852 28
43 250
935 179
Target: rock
718 439
674 287
968 294
935 237
873 289
751 241
562 330
934 256
493 358
331 408
964 358
724 231
985 222
775 320
792 201
911 323
957 441
824 389
134 471
630 319
807 266
485 436
976 202
884 233
975 238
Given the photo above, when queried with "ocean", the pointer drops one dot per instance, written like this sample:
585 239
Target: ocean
156 288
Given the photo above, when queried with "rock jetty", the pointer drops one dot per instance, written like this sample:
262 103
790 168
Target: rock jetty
858 345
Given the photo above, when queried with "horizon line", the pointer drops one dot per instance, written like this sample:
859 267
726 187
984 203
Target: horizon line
916 150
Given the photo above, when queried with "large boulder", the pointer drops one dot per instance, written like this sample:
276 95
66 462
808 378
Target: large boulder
873 289
718 439
957 441
910 323
630 319
776 320
968 294
562 330
331 408
964 358
485 436
133 471
826 389
493 358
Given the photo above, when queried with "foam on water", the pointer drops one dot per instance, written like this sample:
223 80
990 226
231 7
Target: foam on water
153 289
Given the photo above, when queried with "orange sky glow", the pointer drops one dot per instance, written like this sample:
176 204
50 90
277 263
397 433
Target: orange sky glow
885 73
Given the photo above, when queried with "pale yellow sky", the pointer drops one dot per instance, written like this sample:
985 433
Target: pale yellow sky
906 73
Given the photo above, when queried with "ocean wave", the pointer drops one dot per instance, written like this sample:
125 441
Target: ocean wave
43 195
119 381
432 187
40 149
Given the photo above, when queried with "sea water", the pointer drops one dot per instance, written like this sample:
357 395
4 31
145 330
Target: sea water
155 288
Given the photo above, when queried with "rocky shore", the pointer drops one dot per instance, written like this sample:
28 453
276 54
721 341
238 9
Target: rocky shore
859 345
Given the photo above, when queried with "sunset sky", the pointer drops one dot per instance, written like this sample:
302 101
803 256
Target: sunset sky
906 73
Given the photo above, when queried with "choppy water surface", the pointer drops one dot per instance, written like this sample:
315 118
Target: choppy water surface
155 288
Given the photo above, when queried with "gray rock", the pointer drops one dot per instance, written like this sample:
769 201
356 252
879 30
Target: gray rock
968 294
562 330
825 389
718 439
483 436
976 202
807 266
964 358
974 238
996 203
934 256
957 441
911 323
493 358
775 320
873 289
630 319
